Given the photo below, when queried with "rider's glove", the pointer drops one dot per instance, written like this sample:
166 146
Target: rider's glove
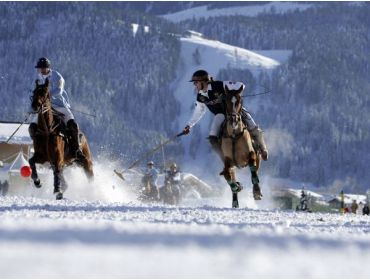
186 130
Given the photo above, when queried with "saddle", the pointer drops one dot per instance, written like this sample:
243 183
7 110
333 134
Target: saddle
255 145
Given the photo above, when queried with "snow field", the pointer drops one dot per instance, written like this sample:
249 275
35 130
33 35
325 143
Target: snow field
74 238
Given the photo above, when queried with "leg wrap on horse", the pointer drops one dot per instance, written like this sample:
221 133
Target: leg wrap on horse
216 145
235 186
257 136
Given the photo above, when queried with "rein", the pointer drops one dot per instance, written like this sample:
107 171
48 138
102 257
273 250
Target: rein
234 136
45 108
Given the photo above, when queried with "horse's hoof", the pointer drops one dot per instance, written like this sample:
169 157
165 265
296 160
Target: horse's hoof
257 195
235 203
59 196
37 183
240 186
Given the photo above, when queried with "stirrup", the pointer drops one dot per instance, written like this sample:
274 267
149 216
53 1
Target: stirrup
257 195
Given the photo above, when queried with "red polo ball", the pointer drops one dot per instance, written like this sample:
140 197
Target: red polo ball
26 171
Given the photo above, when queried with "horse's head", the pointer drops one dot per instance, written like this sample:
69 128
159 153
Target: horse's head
233 100
40 95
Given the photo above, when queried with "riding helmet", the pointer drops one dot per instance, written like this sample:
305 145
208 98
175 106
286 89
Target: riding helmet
200 75
43 62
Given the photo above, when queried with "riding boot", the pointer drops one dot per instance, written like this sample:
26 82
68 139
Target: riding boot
216 145
257 136
74 140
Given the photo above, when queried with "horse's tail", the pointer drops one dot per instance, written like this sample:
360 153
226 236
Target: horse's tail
88 166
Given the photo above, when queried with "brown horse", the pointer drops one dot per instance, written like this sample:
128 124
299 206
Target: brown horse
237 146
51 142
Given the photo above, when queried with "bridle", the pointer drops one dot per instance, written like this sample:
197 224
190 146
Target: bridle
43 107
234 118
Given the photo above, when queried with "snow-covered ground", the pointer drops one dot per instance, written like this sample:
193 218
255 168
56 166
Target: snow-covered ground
251 11
102 231
45 238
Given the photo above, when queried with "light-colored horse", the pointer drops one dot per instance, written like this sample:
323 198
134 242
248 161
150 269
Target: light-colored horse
237 146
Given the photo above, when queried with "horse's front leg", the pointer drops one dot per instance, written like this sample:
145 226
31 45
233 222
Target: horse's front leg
63 182
257 195
229 175
57 179
37 158
57 154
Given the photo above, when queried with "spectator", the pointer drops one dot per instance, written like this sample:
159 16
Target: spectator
150 181
354 207
366 210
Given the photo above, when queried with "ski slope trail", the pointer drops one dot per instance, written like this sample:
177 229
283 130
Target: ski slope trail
93 239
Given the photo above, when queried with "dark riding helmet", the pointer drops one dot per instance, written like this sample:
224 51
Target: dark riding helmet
43 62
200 75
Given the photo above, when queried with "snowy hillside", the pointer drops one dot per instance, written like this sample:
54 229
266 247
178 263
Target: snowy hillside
251 11
42 238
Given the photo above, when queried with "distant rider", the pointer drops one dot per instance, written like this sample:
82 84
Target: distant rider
172 182
150 181
303 201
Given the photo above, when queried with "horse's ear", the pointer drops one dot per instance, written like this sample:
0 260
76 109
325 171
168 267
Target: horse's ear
226 89
37 82
47 82
241 88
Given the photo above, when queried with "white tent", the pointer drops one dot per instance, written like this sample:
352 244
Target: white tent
18 163
14 177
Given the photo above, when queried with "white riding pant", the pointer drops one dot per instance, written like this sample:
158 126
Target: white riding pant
219 119
216 124
248 120
66 112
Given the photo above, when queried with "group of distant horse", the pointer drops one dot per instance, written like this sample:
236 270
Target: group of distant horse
51 144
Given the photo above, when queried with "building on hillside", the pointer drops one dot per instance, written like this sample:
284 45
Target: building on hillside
348 200
290 199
